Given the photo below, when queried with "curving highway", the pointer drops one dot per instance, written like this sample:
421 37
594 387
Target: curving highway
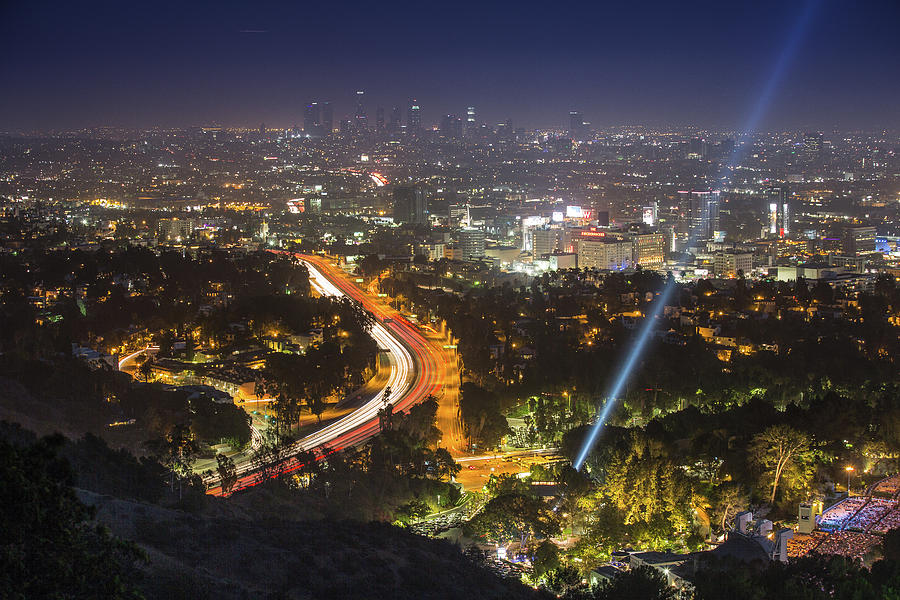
417 369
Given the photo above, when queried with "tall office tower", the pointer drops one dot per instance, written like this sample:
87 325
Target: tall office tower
702 213
379 118
577 129
471 126
698 148
545 241
262 129
458 214
394 123
649 214
451 127
778 217
726 149
410 205
471 243
175 229
360 120
312 123
649 250
327 118
413 118
595 251
812 147
857 240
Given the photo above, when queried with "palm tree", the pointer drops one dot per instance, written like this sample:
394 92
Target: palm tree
146 369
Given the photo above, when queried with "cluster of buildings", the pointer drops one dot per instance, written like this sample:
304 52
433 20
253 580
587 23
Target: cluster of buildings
752 542
509 200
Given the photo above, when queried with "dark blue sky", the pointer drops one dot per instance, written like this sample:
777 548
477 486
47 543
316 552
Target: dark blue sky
72 64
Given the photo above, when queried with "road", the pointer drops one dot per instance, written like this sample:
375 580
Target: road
417 371
129 364
453 438
476 470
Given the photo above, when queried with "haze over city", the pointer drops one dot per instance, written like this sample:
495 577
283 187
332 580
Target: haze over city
701 64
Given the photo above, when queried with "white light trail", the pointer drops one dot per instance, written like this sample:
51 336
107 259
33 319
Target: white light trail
402 373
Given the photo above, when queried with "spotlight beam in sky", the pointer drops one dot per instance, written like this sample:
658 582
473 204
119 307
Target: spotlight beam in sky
638 345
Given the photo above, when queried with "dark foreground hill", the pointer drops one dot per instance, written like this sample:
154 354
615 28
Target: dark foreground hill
207 557
219 548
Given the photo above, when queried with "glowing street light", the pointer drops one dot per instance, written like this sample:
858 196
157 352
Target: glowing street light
849 469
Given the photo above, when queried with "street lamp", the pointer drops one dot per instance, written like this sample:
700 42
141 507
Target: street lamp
849 469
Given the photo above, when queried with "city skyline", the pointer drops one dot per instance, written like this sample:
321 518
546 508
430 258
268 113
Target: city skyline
175 66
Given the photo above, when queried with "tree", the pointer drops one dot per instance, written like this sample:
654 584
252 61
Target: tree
562 580
419 421
48 547
729 500
146 369
780 450
506 483
179 451
270 456
515 516
647 485
642 583
812 577
545 558
316 404
444 464
370 265
890 545
213 422
227 473
481 416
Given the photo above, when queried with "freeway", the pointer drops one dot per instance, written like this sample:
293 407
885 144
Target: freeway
417 371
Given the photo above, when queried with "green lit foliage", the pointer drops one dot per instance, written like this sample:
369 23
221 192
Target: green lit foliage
783 455
515 517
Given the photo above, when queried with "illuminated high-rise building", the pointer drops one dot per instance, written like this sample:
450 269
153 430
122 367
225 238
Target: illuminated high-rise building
702 212
595 250
649 214
394 124
360 120
327 118
812 147
698 148
778 217
312 119
649 250
410 205
471 126
858 240
577 126
176 230
379 118
413 118
472 243
451 127
545 241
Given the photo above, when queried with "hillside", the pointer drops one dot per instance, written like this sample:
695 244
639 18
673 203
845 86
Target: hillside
204 557
213 548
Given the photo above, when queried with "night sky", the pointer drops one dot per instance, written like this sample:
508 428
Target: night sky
81 64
